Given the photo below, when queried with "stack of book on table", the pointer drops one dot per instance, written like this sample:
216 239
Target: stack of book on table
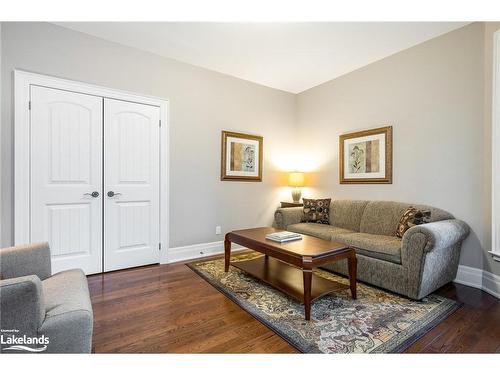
284 236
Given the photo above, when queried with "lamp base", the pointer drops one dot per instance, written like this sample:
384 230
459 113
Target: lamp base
296 194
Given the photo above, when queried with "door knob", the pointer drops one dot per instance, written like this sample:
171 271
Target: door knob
94 194
112 194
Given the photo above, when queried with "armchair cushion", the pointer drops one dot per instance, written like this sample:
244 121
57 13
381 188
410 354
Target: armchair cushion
32 259
22 304
66 291
69 318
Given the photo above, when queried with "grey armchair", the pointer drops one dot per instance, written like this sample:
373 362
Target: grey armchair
35 303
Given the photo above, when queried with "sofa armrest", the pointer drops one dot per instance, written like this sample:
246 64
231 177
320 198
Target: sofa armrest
22 304
431 253
32 259
439 234
284 217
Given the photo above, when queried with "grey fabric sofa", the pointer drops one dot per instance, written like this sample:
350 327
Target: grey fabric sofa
422 261
37 303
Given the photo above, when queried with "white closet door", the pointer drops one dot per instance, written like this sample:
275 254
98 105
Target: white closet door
131 180
66 169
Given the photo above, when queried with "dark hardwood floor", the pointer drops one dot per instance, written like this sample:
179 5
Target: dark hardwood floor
170 309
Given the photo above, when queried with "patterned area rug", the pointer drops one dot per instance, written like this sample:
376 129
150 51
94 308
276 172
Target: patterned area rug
377 322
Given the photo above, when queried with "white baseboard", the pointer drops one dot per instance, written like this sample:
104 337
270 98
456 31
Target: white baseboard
491 284
182 253
469 276
479 279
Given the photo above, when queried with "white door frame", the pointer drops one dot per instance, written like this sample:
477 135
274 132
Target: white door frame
22 82
495 161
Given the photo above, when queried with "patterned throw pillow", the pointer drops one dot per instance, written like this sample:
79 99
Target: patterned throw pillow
316 210
410 218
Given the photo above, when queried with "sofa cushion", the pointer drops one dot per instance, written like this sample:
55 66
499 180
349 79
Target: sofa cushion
65 292
323 231
382 217
410 218
347 214
316 210
377 246
437 214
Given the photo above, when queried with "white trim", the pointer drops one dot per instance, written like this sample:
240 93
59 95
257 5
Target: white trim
22 82
479 279
201 250
495 255
469 276
491 284
495 150
1 243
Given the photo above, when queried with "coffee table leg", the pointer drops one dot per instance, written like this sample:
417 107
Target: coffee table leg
353 266
227 253
307 275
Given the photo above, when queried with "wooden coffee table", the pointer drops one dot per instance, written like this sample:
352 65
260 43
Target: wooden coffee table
288 266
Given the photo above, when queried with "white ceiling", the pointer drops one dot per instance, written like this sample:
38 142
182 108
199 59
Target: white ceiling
288 56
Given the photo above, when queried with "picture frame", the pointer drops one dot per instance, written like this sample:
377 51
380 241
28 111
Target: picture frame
365 157
241 157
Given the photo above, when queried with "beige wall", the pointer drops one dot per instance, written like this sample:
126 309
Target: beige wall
202 103
437 96
490 28
433 96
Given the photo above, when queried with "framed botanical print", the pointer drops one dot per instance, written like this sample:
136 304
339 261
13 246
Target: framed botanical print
366 157
241 157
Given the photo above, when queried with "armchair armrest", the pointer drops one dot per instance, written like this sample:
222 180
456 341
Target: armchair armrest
22 304
439 234
284 217
32 259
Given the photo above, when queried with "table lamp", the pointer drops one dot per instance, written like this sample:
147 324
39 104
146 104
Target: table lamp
296 180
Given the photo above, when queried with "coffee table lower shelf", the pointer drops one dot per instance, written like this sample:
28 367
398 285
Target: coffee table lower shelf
287 278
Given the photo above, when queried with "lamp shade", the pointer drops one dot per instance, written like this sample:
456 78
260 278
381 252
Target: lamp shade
296 179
